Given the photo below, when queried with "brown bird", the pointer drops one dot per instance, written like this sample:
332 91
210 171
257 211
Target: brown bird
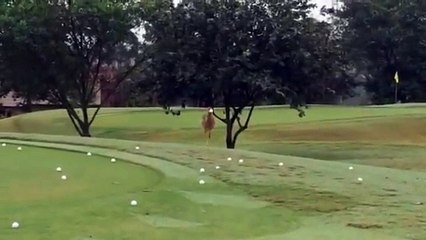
208 123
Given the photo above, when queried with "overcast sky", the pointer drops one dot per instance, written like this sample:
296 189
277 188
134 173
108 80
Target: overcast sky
319 4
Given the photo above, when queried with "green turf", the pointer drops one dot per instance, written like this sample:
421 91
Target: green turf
94 201
313 196
408 157
306 198
381 136
147 123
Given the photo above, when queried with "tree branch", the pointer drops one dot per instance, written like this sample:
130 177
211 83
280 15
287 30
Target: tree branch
245 126
236 115
74 36
250 97
249 116
77 128
221 119
70 111
239 122
95 77
94 115
122 78
117 83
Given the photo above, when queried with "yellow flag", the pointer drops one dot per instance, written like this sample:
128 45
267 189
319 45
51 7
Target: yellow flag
396 77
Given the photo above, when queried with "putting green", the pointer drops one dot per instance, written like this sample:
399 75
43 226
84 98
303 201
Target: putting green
96 192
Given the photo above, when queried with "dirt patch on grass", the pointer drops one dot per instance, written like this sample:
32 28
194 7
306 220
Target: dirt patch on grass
299 199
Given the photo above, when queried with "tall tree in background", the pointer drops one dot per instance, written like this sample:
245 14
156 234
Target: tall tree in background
325 64
64 51
236 54
383 37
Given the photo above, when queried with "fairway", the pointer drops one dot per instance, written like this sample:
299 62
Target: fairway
268 125
299 178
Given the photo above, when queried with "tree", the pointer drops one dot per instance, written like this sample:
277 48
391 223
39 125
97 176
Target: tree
383 37
234 54
4 85
326 65
25 80
64 51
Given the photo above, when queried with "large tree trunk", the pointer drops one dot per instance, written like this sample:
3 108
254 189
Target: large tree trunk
81 124
28 105
84 124
85 130
230 143
233 117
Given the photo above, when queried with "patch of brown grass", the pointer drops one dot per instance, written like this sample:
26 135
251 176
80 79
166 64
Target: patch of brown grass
395 130
299 199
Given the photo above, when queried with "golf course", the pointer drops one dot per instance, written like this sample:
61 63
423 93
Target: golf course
340 173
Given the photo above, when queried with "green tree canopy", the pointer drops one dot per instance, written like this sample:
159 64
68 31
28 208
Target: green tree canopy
383 37
64 51
237 53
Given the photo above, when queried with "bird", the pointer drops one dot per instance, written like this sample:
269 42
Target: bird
168 109
208 122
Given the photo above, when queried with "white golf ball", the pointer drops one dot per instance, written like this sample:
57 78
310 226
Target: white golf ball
137 148
19 148
113 160
202 170
280 164
59 169
64 177
3 144
360 179
351 168
217 167
241 160
229 159
89 154
202 182
133 203
15 225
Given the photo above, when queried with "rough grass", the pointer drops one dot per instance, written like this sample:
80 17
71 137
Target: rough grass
407 157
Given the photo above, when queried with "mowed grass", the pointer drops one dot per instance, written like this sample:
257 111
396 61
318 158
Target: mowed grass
390 136
94 202
153 124
313 196
304 199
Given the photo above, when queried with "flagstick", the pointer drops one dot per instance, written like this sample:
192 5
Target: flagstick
396 78
396 92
